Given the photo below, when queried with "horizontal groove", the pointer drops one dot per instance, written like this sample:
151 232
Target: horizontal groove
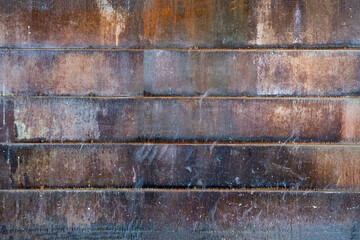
134 190
251 49
205 96
289 144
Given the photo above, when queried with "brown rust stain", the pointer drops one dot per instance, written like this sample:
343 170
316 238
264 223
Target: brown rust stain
309 72
179 23
72 73
350 120
78 23
331 167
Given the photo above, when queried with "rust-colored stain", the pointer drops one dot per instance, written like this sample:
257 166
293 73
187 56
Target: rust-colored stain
179 119
179 23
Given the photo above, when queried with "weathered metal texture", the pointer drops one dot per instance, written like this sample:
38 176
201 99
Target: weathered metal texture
252 73
179 23
149 214
149 133
57 72
180 166
185 120
164 72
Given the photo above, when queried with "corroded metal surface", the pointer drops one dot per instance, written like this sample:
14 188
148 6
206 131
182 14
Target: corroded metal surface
179 23
252 73
149 214
164 72
185 120
42 72
181 166
152 94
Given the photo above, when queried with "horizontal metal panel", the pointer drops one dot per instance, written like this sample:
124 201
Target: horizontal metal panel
180 166
179 23
186 73
154 214
182 120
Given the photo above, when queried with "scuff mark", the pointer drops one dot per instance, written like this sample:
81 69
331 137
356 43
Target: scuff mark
247 211
143 153
207 93
162 151
282 168
212 146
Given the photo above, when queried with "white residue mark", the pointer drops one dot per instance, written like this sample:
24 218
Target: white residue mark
212 146
3 94
4 111
112 15
265 33
247 211
297 25
5 129
8 160
201 99
134 177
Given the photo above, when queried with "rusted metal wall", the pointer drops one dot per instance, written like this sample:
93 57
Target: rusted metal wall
179 119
